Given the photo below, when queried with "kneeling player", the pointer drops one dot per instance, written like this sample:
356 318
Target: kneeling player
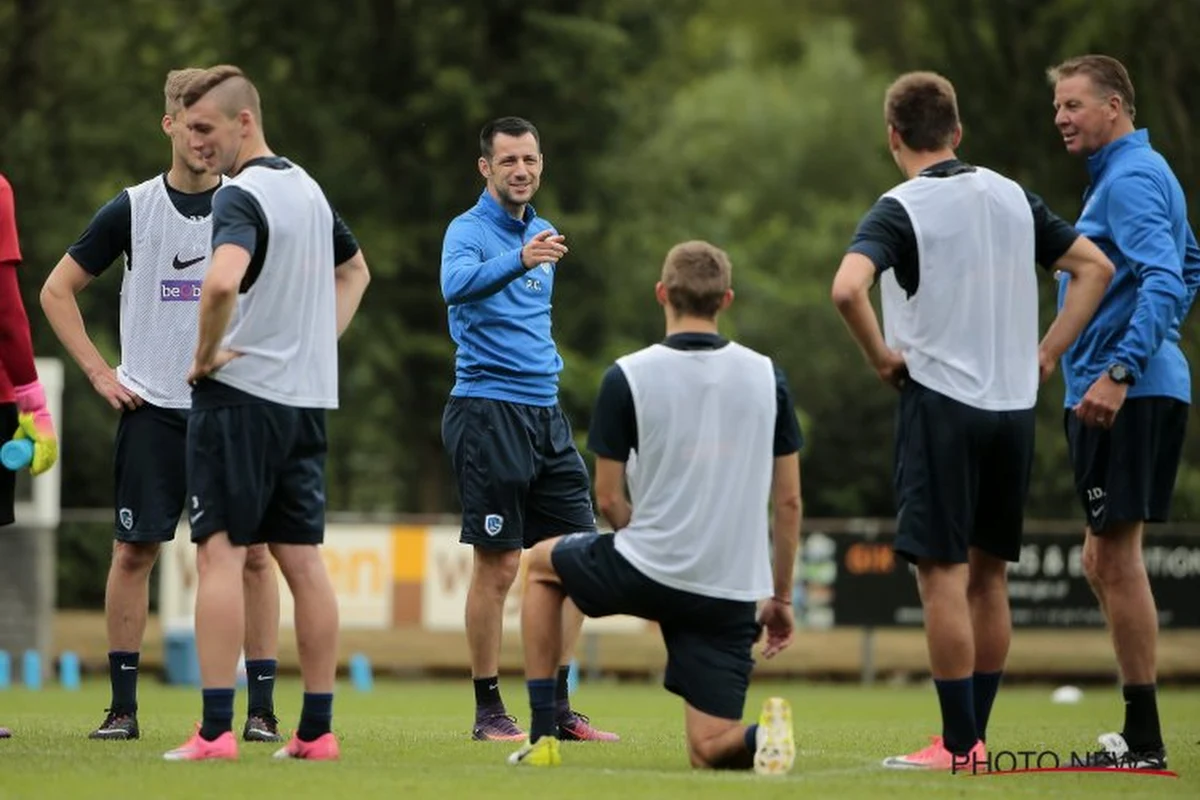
716 437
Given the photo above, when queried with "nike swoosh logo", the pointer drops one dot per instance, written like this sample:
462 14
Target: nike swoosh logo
127 668
265 678
178 264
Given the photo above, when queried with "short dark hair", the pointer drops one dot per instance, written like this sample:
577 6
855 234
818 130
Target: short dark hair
697 275
923 109
1108 75
509 126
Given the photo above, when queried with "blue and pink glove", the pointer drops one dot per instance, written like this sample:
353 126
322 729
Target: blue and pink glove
36 425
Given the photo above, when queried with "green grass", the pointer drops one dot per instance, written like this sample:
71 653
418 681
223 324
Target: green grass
410 740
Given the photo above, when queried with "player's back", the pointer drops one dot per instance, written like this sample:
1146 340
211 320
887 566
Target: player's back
970 331
285 326
700 480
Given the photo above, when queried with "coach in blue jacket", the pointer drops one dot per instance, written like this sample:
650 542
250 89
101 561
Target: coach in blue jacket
1128 387
520 477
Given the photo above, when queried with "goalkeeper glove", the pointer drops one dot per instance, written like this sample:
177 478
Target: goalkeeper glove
36 425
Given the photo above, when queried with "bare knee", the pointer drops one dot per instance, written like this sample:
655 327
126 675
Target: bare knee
217 553
258 561
135 558
1114 557
538 563
297 562
941 582
708 753
989 577
1091 568
494 571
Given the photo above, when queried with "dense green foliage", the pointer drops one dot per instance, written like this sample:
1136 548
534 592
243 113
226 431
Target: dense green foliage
754 124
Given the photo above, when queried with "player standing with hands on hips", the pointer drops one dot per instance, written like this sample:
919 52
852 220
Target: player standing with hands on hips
162 230
1128 383
954 249
285 281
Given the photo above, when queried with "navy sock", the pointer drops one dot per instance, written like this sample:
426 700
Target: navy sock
985 685
542 704
123 674
752 738
562 692
958 714
487 694
260 685
316 716
1141 731
218 713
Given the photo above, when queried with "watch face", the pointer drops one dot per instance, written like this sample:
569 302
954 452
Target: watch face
1118 373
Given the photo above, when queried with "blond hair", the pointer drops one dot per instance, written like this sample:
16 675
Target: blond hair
177 82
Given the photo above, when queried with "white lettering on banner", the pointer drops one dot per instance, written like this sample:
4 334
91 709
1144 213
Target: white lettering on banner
1176 562
448 575
359 560
1075 561
1038 591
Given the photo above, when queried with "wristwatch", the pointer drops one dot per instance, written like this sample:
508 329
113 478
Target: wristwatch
1120 374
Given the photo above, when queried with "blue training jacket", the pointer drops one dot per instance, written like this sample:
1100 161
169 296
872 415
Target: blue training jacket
1135 210
499 312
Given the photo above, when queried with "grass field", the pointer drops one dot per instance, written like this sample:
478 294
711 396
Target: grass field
410 740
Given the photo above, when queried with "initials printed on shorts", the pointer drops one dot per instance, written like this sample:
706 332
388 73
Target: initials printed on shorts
179 291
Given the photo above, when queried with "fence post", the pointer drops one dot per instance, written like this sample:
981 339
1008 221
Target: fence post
868 655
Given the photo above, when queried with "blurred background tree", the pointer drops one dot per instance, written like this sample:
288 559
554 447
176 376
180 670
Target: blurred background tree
755 124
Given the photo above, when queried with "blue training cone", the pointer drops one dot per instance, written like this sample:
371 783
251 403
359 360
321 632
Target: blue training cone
360 672
31 669
5 669
68 670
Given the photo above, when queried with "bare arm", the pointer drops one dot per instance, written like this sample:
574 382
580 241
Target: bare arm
610 492
351 278
218 298
788 509
1090 272
776 615
850 295
61 307
66 280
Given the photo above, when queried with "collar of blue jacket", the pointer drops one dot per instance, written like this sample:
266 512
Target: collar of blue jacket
488 205
1100 159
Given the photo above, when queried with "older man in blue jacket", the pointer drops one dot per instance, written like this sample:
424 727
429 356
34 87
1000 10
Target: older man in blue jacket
1128 386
